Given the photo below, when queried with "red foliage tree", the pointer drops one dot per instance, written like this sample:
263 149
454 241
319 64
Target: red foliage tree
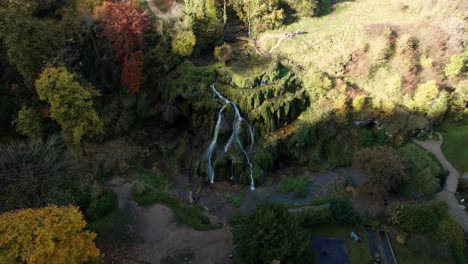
123 26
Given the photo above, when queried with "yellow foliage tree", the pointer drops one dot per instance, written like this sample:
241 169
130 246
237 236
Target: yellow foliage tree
50 234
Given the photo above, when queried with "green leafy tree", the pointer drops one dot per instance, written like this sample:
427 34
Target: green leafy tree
422 170
184 43
71 104
32 34
270 233
34 174
29 123
343 213
204 20
384 168
458 64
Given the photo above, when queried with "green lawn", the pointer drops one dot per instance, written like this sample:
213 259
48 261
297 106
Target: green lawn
455 143
358 252
157 181
404 254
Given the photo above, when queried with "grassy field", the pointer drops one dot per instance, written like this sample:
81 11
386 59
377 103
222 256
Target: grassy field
358 252
455 143
404 254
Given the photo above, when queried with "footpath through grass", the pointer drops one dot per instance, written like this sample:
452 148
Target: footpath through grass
455 143
358 252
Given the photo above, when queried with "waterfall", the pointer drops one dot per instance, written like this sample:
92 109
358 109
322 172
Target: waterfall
262 82
234 137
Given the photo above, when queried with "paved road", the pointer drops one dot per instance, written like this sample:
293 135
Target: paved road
447 194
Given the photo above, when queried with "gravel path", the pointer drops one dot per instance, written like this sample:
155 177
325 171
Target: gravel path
447 194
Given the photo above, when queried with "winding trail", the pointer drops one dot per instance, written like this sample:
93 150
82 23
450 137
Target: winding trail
448 193
155 9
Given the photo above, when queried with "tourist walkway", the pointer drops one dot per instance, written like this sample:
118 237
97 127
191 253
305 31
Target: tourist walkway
448 193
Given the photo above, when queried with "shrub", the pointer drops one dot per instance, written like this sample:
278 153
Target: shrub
286 184
418 217
184 43
235 199
102 205
422 170
223 52
29 124
343 212
305 7
458 63
36 174
269 233
316 216
299 186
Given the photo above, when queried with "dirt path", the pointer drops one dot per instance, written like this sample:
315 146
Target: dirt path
447 194
160 237
156 11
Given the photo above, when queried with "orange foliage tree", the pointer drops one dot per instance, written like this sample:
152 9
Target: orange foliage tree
50 234
123 26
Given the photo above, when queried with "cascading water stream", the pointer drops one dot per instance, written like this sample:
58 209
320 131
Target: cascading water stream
234 137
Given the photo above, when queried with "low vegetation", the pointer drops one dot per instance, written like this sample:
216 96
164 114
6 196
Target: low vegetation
186 214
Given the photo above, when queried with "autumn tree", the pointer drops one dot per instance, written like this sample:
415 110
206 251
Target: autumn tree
46 235
124 25
259 15
384 168
71 104
183 43
223 52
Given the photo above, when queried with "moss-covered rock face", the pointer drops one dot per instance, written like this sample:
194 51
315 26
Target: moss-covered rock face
305 116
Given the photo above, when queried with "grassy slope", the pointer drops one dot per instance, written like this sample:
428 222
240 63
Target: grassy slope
358 252
332 38
455 143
